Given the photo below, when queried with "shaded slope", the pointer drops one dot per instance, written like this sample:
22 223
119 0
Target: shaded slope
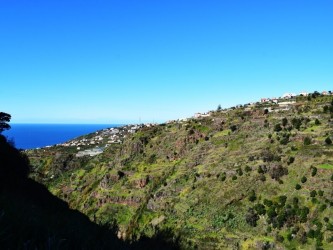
32 218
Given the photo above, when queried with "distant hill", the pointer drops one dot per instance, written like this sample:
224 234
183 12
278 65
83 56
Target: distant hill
256 176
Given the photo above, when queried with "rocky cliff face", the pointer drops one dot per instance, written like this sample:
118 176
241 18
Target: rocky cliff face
228 180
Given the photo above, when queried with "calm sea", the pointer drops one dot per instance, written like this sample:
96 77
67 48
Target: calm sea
28 136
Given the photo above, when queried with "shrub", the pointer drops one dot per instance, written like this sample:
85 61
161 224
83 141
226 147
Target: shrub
260 209
314 171
271 213
317 122
277 171
307 141
239 171
282 200
321 193
268 203
252 196
284 141
329 226
234 177
233 128
328 141
322 207
223 176
277 127
252 217
298 187
291 160
313 193
284 122
279 238
262 169
247 169
303 179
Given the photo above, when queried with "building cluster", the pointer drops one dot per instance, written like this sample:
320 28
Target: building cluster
291 96
95 143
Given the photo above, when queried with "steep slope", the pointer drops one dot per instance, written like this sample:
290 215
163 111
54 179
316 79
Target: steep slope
32 218
256 176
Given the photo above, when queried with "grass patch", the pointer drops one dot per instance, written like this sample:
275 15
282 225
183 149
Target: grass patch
325 166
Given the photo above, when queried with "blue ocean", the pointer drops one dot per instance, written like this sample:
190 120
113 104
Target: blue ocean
29 136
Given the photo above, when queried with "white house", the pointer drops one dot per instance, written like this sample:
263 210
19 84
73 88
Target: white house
288 95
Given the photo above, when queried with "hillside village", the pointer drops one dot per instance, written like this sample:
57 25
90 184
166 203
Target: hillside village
95 143
273 104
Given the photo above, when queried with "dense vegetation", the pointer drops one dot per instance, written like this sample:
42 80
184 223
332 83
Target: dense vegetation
245 178
32 218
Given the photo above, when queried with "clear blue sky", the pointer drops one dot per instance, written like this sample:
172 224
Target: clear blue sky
120 61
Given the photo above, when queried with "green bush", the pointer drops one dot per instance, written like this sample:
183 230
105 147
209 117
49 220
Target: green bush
239 171
328 141
233 128
322 207
247 169
268 203
313 193
314 171
291 160
282 200
307 141
260 209
303 179
277 127
252 196
279 238
298 187
223 176
252 217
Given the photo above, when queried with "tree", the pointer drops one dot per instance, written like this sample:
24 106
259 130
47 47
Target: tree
4 119
284 122
219 107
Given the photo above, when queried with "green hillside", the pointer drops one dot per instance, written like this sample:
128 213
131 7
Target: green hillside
256 176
